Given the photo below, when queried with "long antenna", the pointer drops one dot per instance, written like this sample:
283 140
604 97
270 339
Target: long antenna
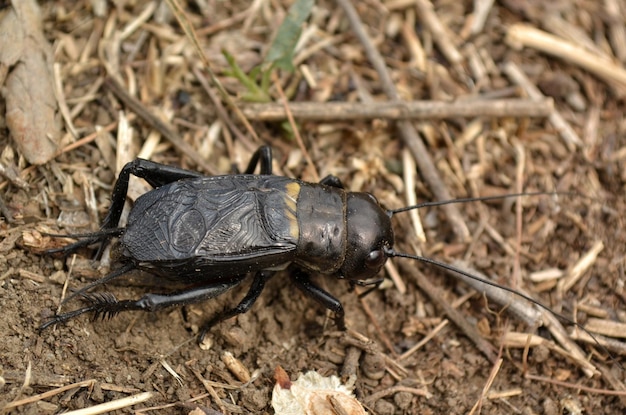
390 253
392 212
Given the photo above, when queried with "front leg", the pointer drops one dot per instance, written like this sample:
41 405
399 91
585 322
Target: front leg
304 283
244 305
263 155
332 181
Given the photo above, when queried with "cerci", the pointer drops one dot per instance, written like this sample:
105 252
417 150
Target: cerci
210 233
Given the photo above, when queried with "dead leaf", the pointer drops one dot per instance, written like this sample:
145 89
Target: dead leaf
26 61
313 394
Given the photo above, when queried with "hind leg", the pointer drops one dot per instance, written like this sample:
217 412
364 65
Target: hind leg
154 173
244 305
106 305
303 283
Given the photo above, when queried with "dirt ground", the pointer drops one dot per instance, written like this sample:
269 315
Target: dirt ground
141 42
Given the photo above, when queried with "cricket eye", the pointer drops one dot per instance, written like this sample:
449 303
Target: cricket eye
375 259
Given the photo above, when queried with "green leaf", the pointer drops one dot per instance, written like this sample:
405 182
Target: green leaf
282 50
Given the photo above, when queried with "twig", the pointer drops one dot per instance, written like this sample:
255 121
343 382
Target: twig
158 124
185 24
440 35
614 381
561 336
414 43
617 32
113 405
526 341
60 96
481 11
566 132
206 32
209 387
523 35
519 187
581 266
11 174
351 362
516 305
407 131
370 400
354 338
398 110
606 327
425 340
576 386
292 123
554 23
395 276
530 315
492 376
91 137
5 211
381 333
610 344
221 111
457 317
45 395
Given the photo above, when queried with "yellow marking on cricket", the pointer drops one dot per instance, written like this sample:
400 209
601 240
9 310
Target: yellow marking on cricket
291 199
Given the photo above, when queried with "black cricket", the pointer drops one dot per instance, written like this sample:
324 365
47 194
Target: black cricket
210 233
